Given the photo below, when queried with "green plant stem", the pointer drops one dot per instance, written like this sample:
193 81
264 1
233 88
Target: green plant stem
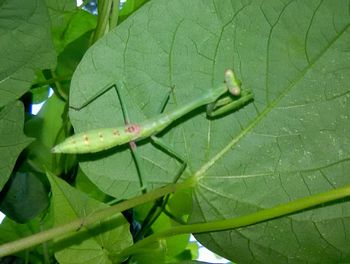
50 81
58 88
77 225
104 9
113 17
260 216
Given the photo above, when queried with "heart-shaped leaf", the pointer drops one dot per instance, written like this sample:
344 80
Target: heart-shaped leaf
291 142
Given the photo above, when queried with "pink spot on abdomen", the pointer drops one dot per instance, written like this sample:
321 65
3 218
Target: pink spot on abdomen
133 128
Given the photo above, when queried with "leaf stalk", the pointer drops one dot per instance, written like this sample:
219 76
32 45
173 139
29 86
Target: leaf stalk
242 221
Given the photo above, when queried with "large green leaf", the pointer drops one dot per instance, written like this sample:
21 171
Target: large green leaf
12 139
25 46
291 142
298 143
126 54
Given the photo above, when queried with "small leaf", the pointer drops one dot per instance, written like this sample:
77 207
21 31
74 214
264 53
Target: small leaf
12 139
71 25
105 240
25 195
174 245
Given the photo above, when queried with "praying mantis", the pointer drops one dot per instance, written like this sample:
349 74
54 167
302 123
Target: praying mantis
102 139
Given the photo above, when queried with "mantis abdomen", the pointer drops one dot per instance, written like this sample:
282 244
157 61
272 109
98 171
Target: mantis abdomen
98 139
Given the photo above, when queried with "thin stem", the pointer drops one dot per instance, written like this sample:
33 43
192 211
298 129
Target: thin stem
76 225
173 217
44 246
58 88
260 216
104 9
152 215
113 17
52 80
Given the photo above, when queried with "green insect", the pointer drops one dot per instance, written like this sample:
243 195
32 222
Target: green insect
102 139
226 97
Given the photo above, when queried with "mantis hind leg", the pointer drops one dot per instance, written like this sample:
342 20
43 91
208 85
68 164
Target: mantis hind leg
159 205
160 143
118 86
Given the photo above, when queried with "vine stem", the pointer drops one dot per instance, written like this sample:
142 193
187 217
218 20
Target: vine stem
214 226
78 224
242 221
103 9
113 17
50 81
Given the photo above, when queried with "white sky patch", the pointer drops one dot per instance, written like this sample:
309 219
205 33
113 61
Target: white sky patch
36 107
2 216
206 255
80 2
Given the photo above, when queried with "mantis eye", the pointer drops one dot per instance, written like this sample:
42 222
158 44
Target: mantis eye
233 85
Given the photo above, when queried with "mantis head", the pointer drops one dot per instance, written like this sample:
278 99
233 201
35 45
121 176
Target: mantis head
232 83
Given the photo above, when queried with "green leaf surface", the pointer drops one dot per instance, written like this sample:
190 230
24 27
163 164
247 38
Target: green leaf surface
291 142
175 245
97 244
12 139
25 196
46 133
296 146
25 46
83 184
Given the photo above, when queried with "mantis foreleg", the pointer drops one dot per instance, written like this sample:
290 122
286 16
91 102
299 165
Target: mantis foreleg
229 104
236 100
